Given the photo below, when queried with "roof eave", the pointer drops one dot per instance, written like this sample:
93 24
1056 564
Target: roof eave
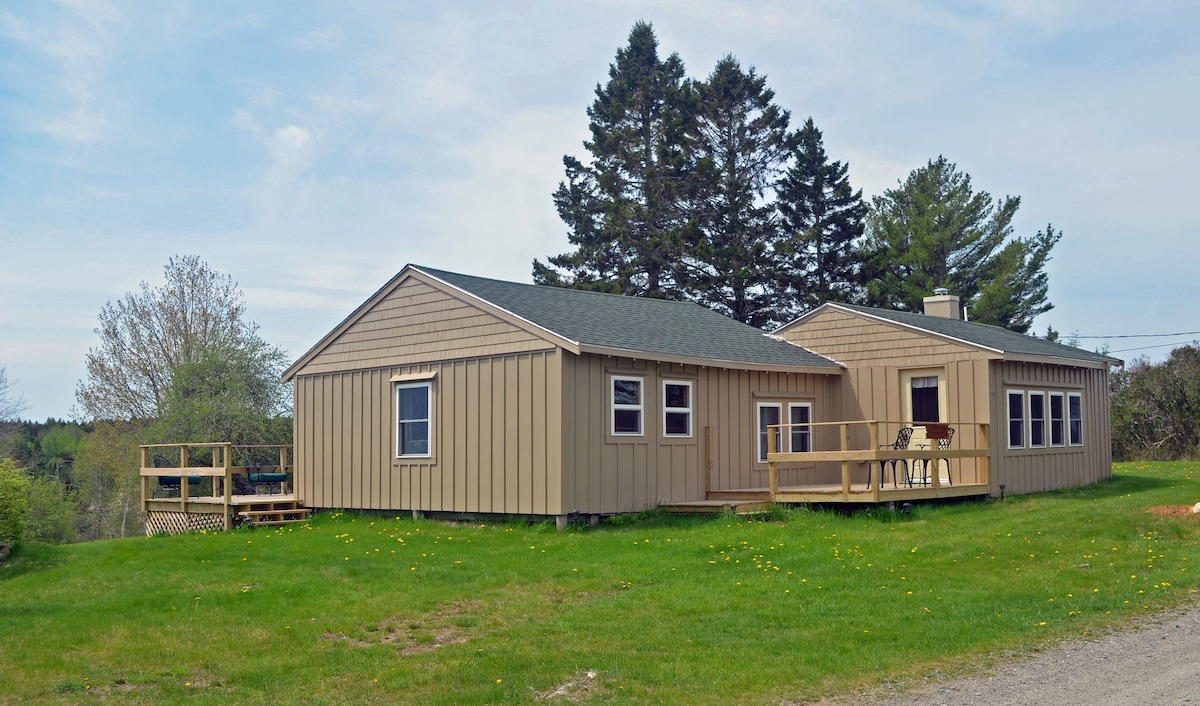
1058 360
833 369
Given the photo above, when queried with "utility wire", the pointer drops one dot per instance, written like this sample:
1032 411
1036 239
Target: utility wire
1143 335
1146 348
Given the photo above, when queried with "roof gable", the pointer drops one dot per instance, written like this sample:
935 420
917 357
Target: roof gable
1009 344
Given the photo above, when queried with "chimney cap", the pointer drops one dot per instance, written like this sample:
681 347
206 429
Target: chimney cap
940 292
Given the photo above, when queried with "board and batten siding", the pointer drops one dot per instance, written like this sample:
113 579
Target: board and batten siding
604 474
496 445
1034 470
419 323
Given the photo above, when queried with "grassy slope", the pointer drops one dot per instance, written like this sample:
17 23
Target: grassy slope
357 608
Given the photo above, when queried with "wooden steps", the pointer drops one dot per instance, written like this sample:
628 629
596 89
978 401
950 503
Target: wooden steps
273 512
718 506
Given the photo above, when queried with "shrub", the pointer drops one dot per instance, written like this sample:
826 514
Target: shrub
14 502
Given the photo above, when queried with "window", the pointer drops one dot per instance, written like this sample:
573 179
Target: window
1075 418
1057 417
768 415
1016 419
677 408
1037 420
801 437
626 406
413 420
925 399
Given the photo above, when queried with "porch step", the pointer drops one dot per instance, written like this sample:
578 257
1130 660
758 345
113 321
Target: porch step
716 507
275 513
741 496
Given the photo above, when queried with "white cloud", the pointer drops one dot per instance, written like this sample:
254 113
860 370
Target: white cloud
292 137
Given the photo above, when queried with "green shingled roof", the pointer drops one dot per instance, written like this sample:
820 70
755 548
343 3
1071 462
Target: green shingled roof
993 337
636 324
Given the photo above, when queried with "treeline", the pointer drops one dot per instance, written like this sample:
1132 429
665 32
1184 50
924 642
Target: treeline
1156 408
702 190
178 362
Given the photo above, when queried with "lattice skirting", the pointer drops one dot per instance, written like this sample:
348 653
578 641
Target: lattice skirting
167 522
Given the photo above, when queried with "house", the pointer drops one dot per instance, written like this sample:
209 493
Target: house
1046 404
451 393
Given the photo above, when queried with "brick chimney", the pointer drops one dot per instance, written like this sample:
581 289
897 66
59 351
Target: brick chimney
943 304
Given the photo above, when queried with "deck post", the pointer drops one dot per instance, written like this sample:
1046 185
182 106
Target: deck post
288 486
845 432
145 480
216 463
227 452
708 460
873 481
772 468
183 478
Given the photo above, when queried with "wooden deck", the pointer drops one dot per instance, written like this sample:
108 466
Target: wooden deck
932 477
220 509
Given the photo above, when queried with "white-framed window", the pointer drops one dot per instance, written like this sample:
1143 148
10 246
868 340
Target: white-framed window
800 437
1058 429
768 415
1016 419
677 408
414 423
628 405
1075 418
1037 420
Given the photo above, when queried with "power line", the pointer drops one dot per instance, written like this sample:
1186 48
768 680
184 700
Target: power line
1146 348
1139 335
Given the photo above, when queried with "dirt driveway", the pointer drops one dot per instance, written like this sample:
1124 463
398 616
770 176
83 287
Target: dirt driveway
1156 663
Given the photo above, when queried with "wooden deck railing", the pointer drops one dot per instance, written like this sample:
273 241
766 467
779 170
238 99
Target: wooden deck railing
874 455
221 470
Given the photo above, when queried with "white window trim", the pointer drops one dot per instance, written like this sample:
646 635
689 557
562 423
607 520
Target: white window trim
807 427
1062 420
614 407
678 410
1029 410
758 430
428 421
1071 437
1008 418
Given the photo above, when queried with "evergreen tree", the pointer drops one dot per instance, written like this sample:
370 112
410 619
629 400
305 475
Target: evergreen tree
741 145
822 220
935 231
622 208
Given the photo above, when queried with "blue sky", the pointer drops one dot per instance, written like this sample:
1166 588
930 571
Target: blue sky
311 149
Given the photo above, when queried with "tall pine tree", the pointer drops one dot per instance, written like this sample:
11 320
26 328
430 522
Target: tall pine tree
623 208
936 231
822 223
741 145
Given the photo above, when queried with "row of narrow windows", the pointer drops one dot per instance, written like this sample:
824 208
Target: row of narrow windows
1038 419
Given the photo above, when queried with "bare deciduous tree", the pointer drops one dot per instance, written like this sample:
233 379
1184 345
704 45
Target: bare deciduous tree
147 335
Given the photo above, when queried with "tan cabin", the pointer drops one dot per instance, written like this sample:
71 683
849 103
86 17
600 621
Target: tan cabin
450 393
1045 405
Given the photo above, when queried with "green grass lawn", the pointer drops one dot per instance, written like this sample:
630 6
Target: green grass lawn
362 609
